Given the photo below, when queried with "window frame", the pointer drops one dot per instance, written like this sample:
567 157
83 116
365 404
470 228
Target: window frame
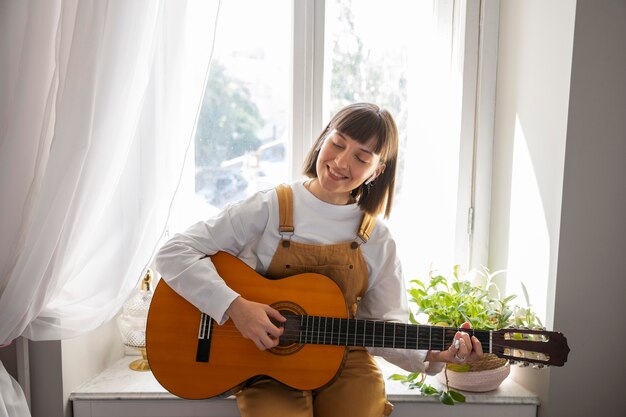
307 72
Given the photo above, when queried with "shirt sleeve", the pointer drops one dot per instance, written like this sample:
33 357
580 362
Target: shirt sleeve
386 299
184 261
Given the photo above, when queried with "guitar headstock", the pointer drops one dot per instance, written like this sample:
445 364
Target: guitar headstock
528 346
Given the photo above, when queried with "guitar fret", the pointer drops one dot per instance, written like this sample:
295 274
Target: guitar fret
319 322
373 333
339 333
364 330
443 338
384 334
325 325
347 330
332 330
430 338
405 332
417 337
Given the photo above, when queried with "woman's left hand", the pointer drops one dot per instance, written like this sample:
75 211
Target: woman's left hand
463 349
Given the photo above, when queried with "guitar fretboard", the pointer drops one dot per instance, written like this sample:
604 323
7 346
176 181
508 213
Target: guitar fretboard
375 333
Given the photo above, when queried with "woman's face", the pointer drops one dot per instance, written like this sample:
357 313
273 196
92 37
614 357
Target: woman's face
342 165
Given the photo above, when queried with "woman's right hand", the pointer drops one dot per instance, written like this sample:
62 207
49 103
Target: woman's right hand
253 320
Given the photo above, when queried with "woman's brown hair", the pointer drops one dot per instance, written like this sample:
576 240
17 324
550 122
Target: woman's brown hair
364 122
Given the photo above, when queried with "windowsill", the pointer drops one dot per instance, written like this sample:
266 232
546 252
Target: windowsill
509 392
120 383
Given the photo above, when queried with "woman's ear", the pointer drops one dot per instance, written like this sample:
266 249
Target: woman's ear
379 170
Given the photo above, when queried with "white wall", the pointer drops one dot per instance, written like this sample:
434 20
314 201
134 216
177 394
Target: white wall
591 277
88 355
58 367
532 95
561 121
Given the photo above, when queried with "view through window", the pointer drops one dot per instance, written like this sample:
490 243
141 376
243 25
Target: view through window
243 123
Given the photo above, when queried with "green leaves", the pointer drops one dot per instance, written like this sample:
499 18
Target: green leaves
457 300
457 396
415 380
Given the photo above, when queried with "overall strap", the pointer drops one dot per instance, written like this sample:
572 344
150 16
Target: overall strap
285 209
285 215
367 226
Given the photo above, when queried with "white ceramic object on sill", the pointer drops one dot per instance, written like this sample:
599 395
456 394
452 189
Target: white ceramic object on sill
478 381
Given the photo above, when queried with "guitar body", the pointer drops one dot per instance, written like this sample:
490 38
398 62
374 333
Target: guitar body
174 325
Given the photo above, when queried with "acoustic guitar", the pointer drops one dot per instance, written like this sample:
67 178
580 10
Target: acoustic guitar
193 357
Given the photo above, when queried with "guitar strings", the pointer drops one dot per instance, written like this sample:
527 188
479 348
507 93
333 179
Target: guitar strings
234 333
310 338
411 343
437 335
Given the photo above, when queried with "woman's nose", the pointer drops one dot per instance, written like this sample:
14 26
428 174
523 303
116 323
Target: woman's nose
341 159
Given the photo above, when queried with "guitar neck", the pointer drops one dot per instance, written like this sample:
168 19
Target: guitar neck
375 333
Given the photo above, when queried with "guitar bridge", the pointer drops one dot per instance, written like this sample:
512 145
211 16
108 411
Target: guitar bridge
204 338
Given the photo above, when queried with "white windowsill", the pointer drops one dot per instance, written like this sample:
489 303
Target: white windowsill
122 387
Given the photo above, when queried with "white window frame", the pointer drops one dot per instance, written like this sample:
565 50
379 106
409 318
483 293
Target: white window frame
479 29
307 79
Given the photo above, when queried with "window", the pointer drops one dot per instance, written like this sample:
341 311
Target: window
243 123
275 84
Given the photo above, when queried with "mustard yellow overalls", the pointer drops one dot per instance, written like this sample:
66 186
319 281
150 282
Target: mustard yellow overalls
359 390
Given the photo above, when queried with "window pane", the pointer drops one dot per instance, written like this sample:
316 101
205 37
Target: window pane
242 125
398 54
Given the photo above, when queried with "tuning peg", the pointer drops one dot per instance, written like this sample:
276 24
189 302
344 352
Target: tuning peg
524 364
538 365
512 362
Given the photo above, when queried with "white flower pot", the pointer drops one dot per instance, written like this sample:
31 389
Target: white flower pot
476 381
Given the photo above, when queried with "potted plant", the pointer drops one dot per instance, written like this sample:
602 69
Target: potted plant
475 299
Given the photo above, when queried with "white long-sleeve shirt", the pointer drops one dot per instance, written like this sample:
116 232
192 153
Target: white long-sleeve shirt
249 230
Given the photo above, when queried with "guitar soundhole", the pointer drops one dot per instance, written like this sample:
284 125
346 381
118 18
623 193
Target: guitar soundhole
288 343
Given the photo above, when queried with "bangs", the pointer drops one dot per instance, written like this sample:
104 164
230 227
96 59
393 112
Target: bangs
366 127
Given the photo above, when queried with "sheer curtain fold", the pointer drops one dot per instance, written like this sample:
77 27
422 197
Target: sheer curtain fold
98 101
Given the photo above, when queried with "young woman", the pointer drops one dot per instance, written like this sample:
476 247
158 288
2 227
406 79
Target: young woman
325 224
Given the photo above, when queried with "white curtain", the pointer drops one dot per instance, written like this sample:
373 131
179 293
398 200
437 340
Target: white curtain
98 101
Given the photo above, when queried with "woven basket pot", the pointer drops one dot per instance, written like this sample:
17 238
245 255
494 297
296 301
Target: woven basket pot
484 375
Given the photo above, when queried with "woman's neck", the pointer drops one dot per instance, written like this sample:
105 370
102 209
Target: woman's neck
339 199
